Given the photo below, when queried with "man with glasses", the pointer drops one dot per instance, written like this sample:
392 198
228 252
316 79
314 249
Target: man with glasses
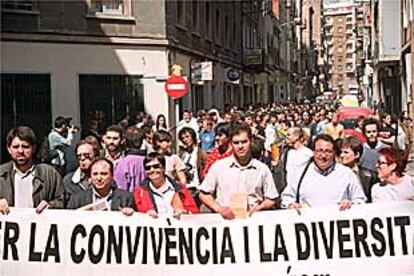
323 182
77 181
369 157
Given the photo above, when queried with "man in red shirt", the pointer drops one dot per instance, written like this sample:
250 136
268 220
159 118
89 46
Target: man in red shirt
223 148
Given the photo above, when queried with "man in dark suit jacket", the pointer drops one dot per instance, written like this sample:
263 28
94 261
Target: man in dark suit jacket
103 194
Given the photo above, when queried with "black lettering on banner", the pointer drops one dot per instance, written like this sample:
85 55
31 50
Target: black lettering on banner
280 249
227 250
403 222
379 251
145 246
77 258
52 245
315 240
33 256
186 245
302 230
360 237
202 233
327 245
246 244
96 231
11 235
132 249
342 238
264 257
169 245
156 246
390 236
114 244
214 245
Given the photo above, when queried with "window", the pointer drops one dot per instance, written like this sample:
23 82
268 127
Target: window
25 100
207 18
195 15
340 29
110 7
217 28
339 20
24 5
180 11
226 30
340 49
109 98
234 34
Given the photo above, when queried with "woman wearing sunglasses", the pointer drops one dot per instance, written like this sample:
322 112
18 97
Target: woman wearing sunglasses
394 185
161 194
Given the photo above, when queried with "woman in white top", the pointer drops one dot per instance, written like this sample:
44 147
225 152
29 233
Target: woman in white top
394 185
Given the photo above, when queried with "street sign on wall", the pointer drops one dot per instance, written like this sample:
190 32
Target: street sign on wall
176 87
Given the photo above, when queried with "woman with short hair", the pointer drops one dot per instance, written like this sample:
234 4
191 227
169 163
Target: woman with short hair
394 185
160 194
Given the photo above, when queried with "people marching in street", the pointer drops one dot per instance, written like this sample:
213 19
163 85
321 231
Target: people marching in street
253 156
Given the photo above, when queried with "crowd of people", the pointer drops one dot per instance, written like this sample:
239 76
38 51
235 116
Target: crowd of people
234 163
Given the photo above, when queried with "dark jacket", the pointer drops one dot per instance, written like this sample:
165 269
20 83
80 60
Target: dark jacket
368 178
47 185
119 199
72 188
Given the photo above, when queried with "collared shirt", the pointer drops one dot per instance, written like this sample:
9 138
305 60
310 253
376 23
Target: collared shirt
227 176
326 171
324 189
115 160
23 188
163 197
107 199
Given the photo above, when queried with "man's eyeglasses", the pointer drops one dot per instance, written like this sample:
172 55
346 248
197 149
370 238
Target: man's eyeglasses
321 151
85 155
155 167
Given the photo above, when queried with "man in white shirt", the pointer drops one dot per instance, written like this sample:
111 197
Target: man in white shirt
323 182
240 176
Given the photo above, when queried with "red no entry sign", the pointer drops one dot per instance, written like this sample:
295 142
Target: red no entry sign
176 87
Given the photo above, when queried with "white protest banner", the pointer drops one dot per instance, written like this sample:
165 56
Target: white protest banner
372 239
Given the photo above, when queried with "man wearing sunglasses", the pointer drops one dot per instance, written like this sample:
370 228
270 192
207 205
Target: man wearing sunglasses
77 181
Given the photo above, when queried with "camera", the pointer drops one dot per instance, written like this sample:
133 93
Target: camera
188 172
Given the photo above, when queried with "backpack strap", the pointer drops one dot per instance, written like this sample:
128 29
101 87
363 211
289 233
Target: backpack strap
301 179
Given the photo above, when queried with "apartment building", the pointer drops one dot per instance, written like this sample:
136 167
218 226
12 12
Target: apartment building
341 42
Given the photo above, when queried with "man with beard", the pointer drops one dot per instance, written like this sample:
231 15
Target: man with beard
369 157
239 183
23 183
114 144
323 182
223 149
